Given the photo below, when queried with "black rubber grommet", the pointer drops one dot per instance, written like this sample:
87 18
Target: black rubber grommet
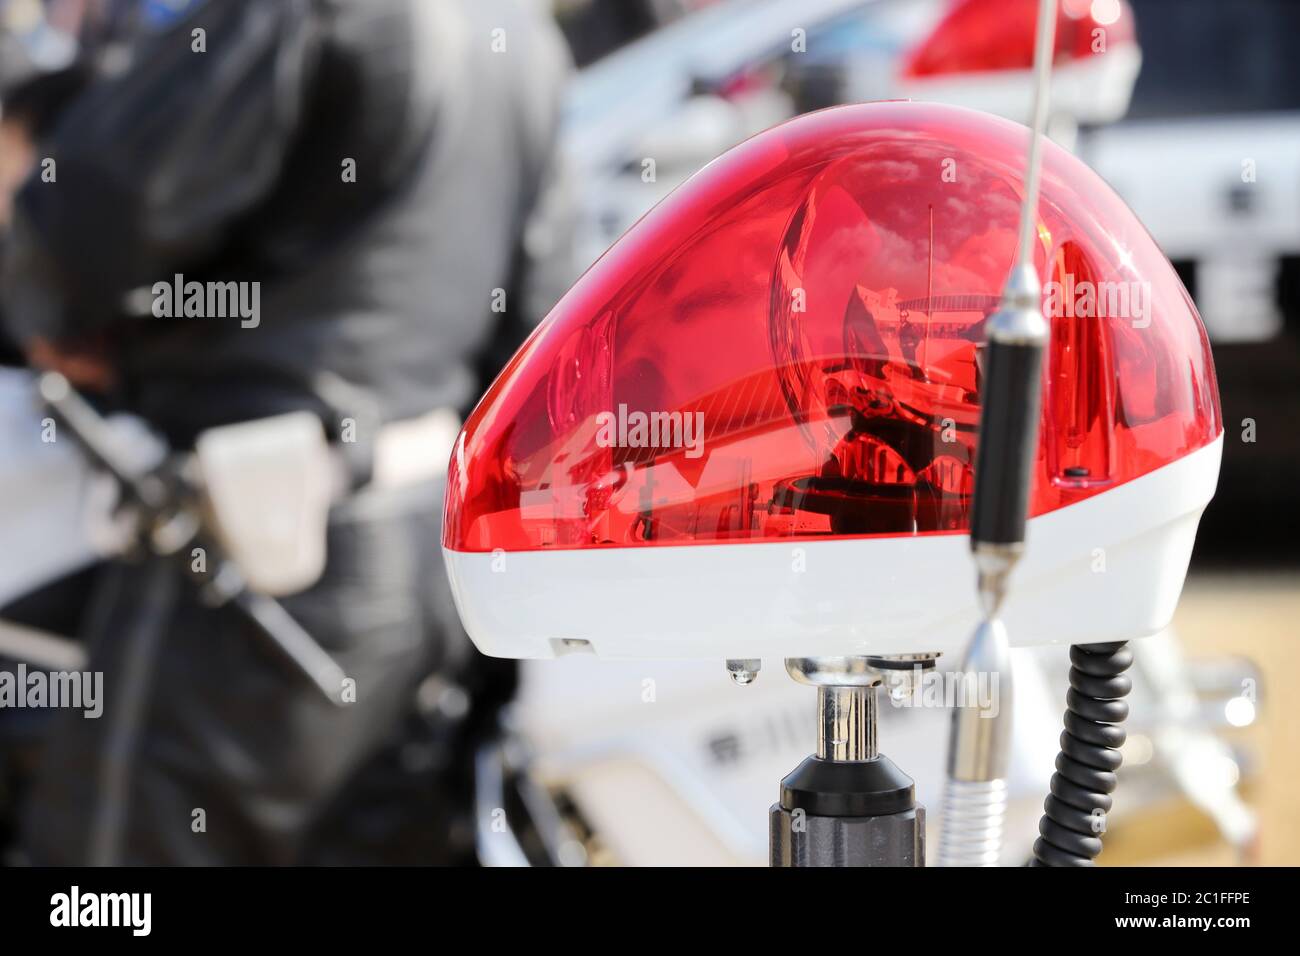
886 664
848 788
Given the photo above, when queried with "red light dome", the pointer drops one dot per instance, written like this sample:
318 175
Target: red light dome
982 35
788 350
981 53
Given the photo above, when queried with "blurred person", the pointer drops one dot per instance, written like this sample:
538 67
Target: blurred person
371 167
37 73
594 28
15 163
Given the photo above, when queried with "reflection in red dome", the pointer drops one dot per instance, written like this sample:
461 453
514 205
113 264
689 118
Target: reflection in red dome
814 300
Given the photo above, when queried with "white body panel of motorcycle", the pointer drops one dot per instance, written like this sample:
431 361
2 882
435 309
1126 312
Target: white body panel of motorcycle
672 764
56 511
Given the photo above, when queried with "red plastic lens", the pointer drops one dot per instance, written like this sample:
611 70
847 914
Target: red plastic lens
789 347
983 35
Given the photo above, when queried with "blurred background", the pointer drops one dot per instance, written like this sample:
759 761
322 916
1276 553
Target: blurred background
1190 110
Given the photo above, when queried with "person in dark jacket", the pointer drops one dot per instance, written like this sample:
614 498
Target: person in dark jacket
362 172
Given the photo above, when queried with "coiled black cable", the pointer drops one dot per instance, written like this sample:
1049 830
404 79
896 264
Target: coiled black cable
1073 814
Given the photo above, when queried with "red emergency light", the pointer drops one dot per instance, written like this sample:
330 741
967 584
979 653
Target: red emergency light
749 429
